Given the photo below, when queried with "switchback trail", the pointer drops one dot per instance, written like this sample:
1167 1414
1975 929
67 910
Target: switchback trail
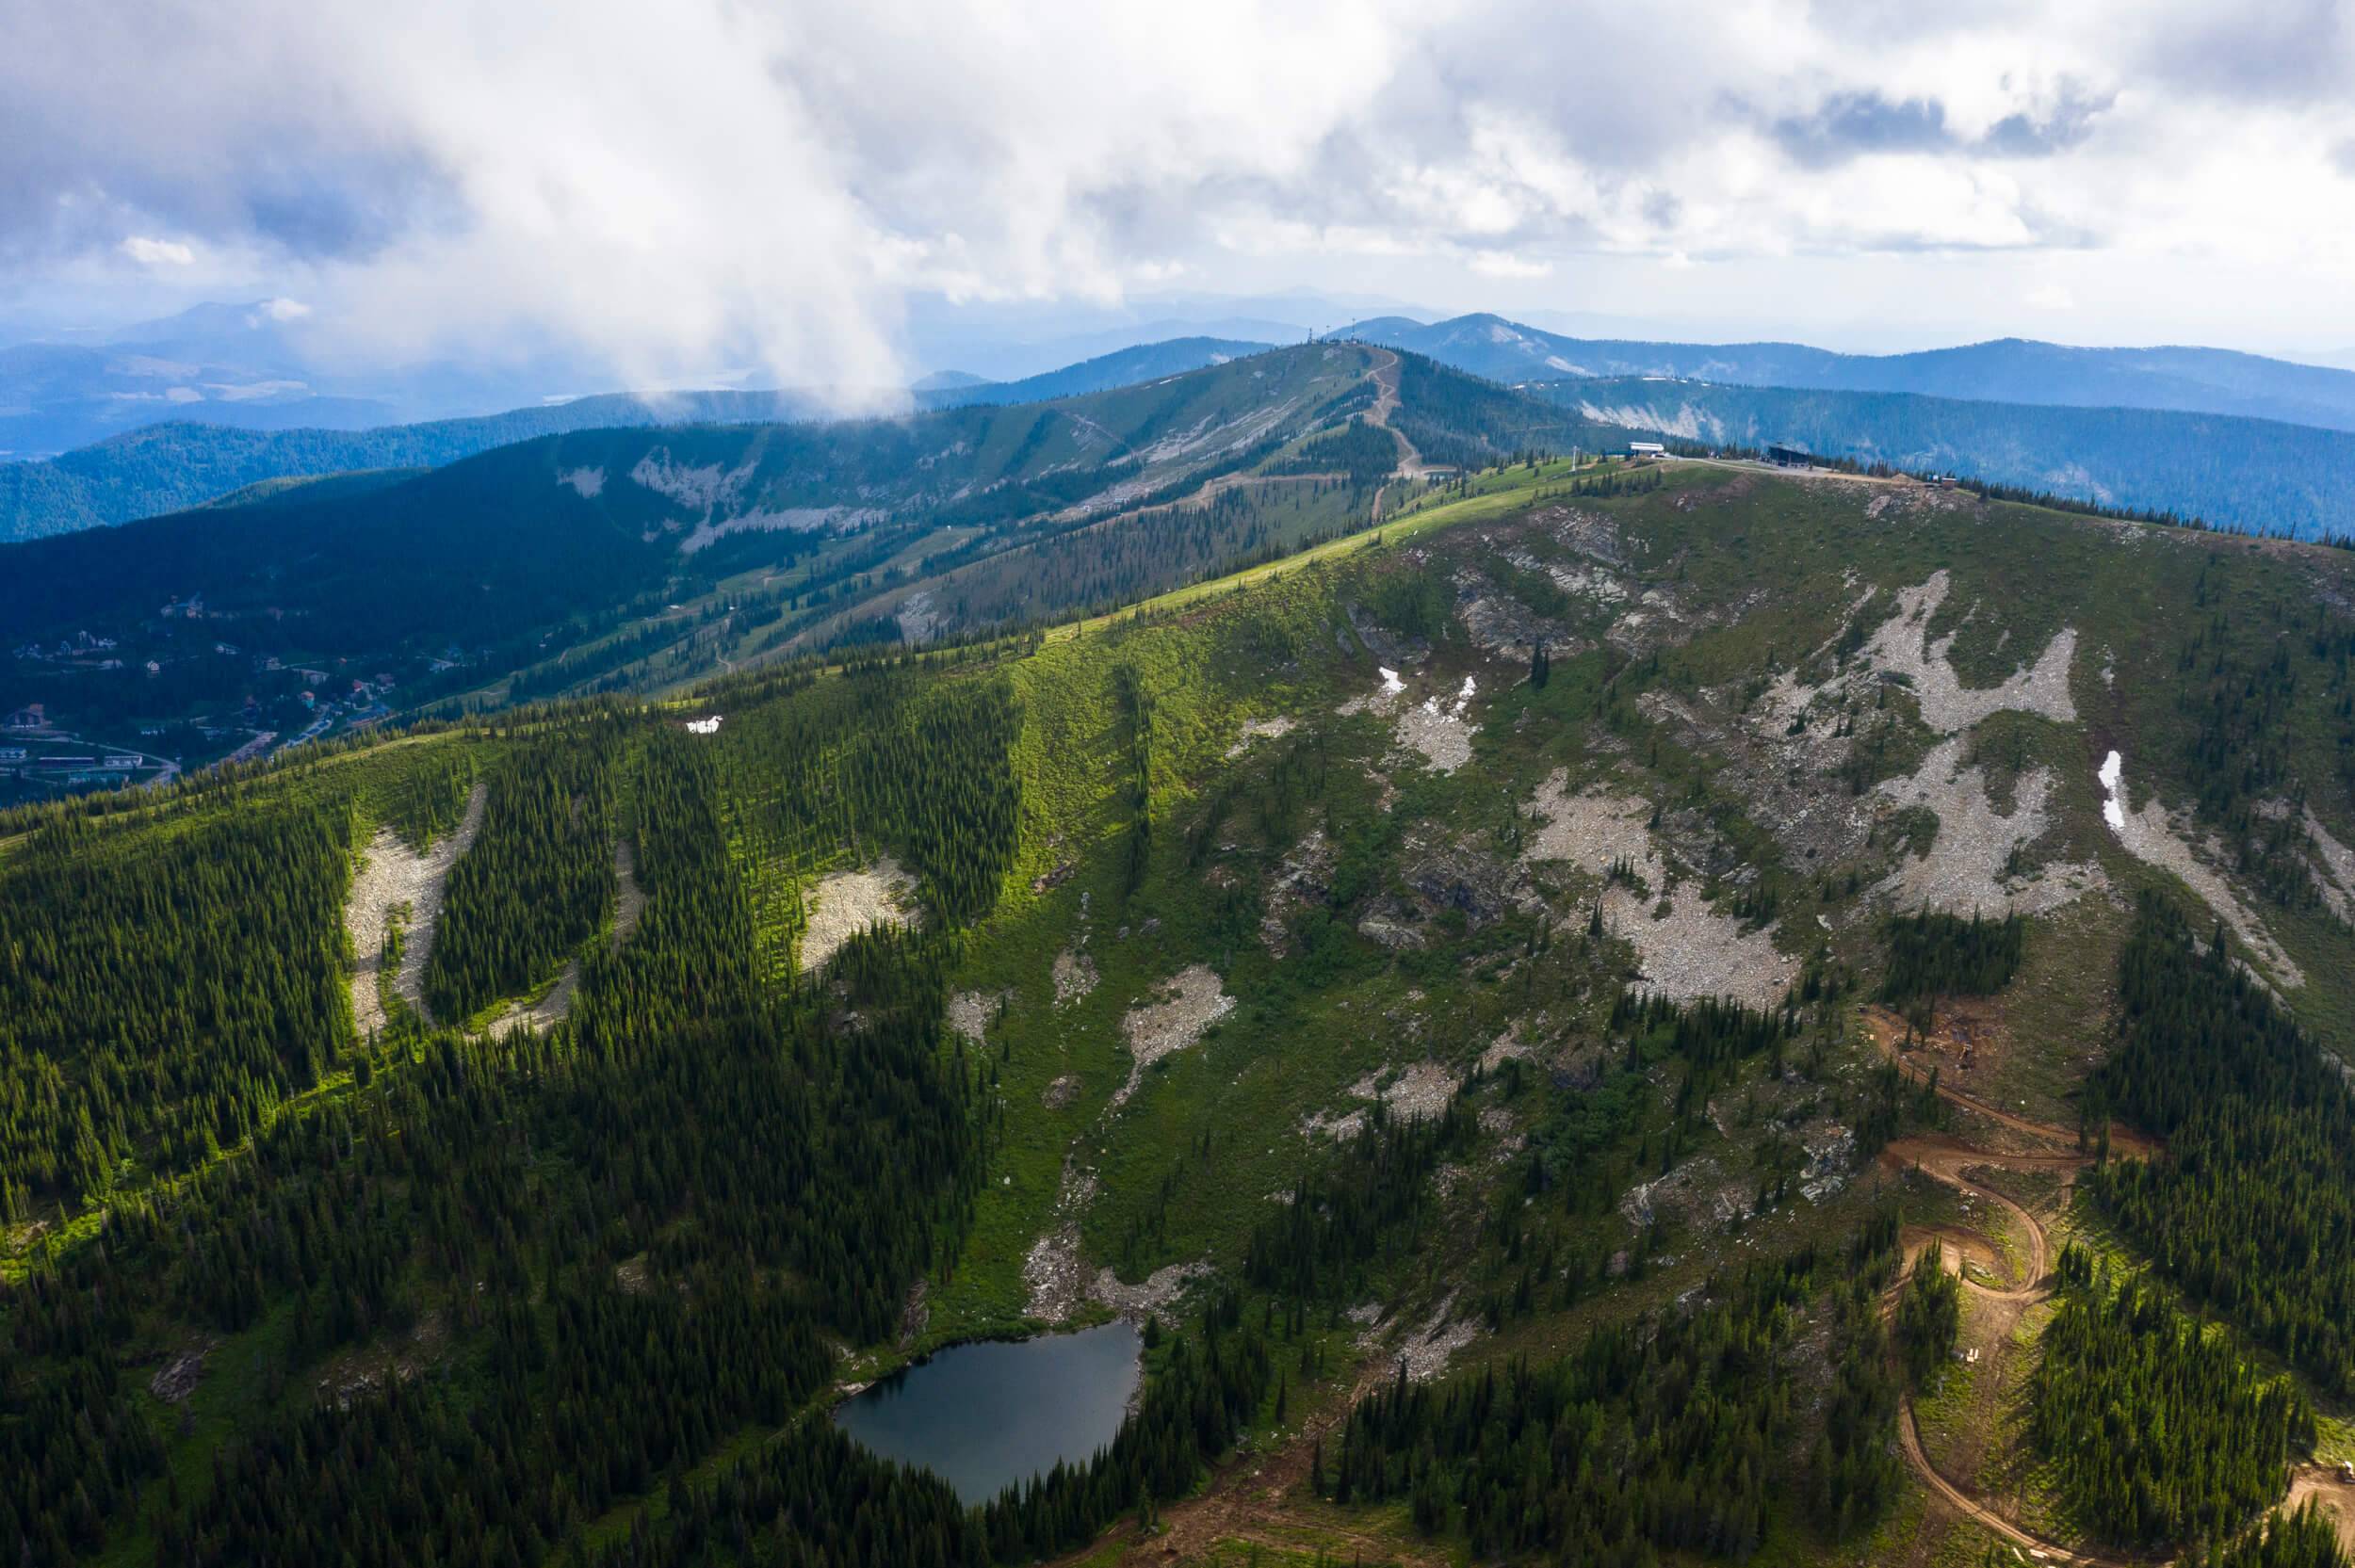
1946 1158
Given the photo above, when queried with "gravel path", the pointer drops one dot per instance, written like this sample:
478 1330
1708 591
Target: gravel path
395 879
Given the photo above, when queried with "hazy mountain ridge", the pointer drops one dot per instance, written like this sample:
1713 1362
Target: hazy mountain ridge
631 558
2259 475
165 467
2007 371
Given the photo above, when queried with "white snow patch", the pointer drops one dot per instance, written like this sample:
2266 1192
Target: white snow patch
2113 773
704 726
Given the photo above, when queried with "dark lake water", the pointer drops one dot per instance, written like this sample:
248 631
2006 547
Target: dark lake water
983 1417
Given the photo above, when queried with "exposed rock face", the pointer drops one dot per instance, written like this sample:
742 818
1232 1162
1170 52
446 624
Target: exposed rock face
1902 645
1965 870
1686 950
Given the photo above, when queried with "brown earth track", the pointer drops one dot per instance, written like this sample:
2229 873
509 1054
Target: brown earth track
1944 1159
1888 1030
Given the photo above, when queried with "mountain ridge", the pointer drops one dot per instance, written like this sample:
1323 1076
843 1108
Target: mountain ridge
2013 370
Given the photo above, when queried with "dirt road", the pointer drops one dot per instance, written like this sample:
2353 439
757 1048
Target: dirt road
1384 374
1944 1159
1889 1031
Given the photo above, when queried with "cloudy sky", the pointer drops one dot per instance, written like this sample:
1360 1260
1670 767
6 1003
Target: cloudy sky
666 185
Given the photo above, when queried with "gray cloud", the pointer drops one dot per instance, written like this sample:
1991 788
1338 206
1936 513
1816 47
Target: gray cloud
1850 124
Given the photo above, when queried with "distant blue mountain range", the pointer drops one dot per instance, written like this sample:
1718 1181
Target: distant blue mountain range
2010 370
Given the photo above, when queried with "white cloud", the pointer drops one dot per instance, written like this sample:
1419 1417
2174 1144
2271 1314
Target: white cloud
158 253
760 184
1502 264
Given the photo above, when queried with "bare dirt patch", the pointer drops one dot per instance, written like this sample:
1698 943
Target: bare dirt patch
395 883
1259 729
846 903
1075 976
1191 1003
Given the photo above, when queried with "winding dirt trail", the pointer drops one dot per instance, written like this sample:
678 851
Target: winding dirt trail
1889 1031
1945 1159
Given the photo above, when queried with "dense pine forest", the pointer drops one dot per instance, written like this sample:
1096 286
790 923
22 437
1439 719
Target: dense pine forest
1939 955
2252 1208
2159 1431
538 881
1671 1437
